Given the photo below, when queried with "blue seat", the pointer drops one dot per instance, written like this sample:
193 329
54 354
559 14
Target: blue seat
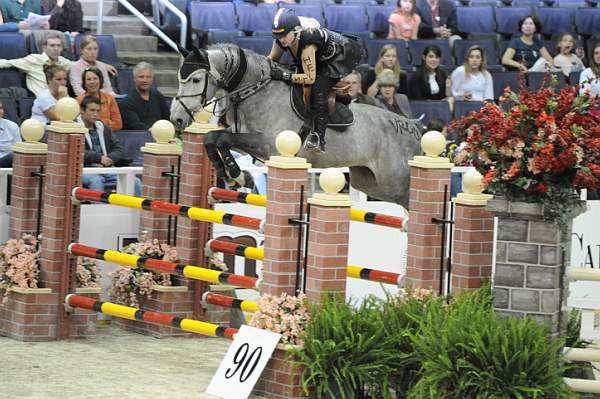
11 77
475 19
258 44
571 3
464 108
375 45
25 106
587 20
212 15
503 80
429 109
346 18
574 78
256 18
378 18
489 46
555 20
12 45
132 142
307 10
416 48
507 19
107 49
222 36
535 80
10 109
527 3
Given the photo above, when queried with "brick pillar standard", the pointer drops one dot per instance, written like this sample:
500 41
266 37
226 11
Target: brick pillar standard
28 157
428 176
159 157
287 174
473 236
328 238
61 216
197 177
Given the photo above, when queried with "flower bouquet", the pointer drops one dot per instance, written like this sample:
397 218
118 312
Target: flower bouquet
536 146
285 314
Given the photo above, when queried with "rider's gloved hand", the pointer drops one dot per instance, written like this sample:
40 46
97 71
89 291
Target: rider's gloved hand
280 74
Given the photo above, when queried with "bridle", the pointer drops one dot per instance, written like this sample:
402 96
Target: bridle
230 84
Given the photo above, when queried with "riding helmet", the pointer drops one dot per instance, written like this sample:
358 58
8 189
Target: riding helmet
285 21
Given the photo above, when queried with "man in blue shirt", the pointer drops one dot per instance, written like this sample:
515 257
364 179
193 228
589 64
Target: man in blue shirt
9 135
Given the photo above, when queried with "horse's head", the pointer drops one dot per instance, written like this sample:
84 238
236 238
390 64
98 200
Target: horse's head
197 84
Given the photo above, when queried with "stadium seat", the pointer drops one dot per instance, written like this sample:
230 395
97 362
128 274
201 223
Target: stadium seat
222 36
489 46
12 45
308 10
378 18
535 80
525 3
107 50
463 108
507 19
555 20
259 44
375 45
574 78
346 18
256 18
363 69
477 3
25 106
212 15
10 109
132 142
572 3
503 80
475 19
416 48
430 109
587 20
11 77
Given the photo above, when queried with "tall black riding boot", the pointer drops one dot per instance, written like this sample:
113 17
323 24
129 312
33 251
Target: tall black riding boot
316 139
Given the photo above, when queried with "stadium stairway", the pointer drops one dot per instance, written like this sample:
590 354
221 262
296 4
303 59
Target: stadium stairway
134 42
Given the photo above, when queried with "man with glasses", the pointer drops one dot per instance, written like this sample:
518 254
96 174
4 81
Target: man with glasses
9 135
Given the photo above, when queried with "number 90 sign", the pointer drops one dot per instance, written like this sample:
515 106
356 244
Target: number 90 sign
243 363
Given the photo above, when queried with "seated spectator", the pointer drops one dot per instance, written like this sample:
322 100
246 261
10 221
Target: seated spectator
8 26
438 20
404 21
102 148
43 106
590 77
18 10
388 98
65 15
354 80
144 105
9 135
527 53
566 61
429 82
110 115
471 81
89 59
388 59
33 64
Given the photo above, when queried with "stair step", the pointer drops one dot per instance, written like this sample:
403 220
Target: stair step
90 7
121 24
136 43
166 77
160 60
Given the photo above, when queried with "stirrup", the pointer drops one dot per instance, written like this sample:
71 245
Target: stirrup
314 142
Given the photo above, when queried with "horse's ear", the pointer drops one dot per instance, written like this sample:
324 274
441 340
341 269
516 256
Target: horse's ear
182 51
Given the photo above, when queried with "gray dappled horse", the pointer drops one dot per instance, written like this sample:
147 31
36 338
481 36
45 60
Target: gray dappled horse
376 147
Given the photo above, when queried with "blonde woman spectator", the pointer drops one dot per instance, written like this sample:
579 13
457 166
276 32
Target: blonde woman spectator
43 106
471 81
109 113
89 59
566 61
404 21
388 59
590 77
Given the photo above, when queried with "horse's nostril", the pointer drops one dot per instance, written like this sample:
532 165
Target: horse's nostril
179 121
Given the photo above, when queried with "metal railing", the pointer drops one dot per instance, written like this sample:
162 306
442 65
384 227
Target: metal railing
182 17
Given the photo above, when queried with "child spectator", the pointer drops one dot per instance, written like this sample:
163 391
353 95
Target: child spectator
404 21
388 59
565 61
590 77
471 81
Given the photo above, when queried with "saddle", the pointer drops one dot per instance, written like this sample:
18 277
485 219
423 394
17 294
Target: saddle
340 116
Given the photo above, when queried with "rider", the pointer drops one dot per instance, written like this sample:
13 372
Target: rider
322 57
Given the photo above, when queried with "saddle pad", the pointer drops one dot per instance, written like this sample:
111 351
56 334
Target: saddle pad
339 120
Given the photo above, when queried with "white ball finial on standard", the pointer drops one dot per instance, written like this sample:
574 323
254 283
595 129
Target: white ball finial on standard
32 130
332 180
433 143
288 143
204 114
472 182
162 131
67 109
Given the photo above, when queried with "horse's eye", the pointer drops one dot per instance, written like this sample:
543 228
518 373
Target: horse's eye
196 80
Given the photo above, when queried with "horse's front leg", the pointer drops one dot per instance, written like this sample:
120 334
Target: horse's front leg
212 150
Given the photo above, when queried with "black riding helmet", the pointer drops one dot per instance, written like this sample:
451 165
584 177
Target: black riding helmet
284 22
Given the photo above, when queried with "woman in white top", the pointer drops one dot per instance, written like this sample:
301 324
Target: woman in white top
565 61
471 81
590 77
43 106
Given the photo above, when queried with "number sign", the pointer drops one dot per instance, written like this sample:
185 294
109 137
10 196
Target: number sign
243 363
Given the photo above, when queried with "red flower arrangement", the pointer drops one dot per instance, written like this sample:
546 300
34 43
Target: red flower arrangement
536 146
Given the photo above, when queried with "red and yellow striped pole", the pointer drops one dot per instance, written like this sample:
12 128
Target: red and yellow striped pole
193 213
356 215
126 312
375 275
188 271
229 302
